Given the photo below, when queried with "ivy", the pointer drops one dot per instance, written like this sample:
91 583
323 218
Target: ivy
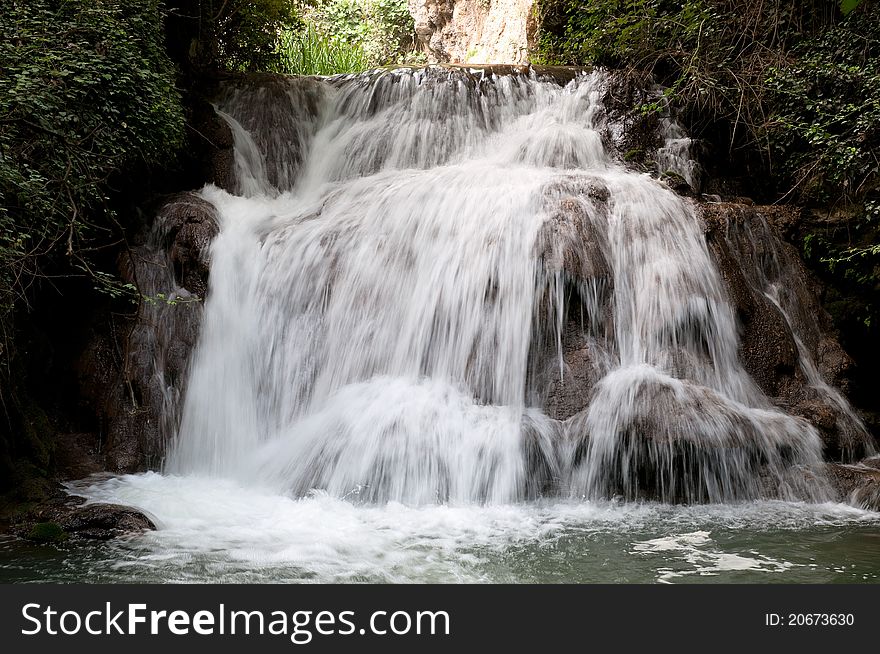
87 92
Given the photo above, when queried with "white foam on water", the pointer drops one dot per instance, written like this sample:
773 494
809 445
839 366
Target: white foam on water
223 530
704 557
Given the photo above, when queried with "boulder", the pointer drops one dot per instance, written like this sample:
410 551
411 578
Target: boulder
65 517
858 484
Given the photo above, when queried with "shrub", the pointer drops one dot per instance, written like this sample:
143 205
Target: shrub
87 91
383 29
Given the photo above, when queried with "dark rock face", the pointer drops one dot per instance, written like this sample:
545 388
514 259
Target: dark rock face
767 349
190 224
68 517
213 146
639 135
568 355
281 115
132 373
857 484
776 297
683 442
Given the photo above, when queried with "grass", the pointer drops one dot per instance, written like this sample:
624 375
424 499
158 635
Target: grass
309 52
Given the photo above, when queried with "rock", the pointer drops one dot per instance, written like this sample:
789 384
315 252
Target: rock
213 145
475 31
661 438
46 532
129 374
767 349
105 521
66 517
189 224
281 114
78 455
872 462
677 183
755 263
857 484
574 248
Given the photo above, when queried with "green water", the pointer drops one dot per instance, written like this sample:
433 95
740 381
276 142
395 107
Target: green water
212 531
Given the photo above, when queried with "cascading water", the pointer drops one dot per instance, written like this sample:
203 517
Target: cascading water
401 255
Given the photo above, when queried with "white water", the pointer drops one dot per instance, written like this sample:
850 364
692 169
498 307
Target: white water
212 529
369 327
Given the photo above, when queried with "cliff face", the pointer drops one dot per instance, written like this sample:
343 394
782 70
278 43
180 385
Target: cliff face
475 31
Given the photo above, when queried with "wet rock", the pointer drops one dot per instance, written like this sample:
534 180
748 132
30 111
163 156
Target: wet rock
78 455
655 437
570 386
541 438
568 355
637 135
806 380
213 146
767 349
872 462
572 239
69 517
677 183
857 484
105 521
190 225
129 374
132 437
280 113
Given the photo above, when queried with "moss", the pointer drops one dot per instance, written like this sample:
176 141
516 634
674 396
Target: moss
672 177
47 532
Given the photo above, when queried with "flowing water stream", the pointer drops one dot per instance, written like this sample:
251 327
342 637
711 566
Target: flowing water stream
388 295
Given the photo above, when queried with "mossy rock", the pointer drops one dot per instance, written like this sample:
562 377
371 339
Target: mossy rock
47 532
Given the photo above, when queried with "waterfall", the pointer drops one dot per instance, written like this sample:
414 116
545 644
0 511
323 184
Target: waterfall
393 282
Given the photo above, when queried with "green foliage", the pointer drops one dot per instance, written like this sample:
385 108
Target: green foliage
308 52
846 6
235 34
284 35
825 137
714 54
382 29
87 91
793 80
825 125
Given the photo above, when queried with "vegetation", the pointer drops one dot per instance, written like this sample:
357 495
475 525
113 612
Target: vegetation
383 30
88 91
47 532
320 37
88 97
794 79
207 35
309 52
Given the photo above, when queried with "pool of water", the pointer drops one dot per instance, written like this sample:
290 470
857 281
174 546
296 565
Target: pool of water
214 530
